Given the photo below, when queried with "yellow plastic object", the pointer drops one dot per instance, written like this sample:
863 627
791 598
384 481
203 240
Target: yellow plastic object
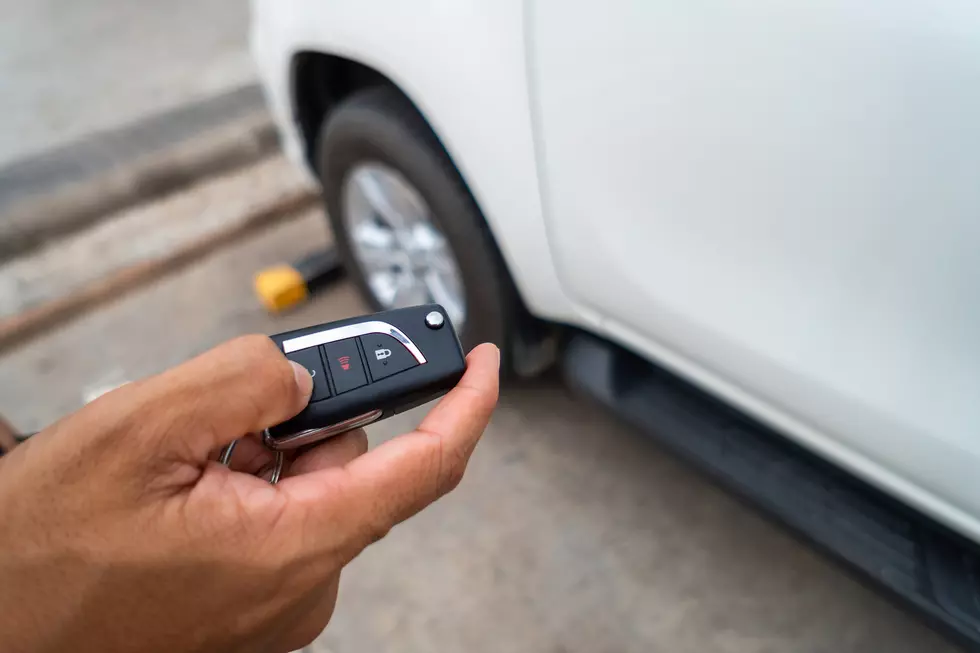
281 288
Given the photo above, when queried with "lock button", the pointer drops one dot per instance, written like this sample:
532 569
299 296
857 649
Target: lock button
386 356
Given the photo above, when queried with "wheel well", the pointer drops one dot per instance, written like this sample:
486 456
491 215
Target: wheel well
320 83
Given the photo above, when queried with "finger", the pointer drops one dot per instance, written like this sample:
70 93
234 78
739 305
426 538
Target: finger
250 456
311 616
403 475
335 452
245 385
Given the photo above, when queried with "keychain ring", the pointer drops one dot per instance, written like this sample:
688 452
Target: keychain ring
224 458
277 468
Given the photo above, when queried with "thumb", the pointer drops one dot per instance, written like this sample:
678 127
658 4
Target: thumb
245 385
375 491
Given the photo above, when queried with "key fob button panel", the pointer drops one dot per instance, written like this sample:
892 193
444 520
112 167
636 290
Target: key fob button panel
386 356
374 366
310 359
346 366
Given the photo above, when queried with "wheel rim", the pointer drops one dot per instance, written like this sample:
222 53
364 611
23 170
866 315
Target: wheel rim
405 257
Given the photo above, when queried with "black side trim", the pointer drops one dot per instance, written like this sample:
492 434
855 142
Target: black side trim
932 569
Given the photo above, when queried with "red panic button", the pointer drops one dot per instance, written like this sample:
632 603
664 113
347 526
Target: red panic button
345 365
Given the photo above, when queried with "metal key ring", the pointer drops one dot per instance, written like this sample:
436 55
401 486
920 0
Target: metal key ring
224 458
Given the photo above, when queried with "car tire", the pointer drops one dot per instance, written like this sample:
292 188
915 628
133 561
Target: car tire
381 126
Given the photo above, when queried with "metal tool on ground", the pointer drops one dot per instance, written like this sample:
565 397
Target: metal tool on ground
286 286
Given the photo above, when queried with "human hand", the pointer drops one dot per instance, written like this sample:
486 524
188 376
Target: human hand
118 531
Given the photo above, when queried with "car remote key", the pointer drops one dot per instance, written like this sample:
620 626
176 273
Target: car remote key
368 368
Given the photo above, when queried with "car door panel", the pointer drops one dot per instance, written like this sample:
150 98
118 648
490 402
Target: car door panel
785 197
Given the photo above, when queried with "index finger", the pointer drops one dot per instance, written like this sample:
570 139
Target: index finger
397 479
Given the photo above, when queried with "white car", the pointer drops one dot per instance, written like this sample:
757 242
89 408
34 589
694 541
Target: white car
776 202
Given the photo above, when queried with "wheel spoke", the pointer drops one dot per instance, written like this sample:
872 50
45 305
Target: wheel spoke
405 257
425 238
376 246
367 188
403 199
389 198
410 293
443 263
384 286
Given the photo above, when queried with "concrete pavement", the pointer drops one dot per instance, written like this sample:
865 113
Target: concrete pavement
44 287
71 68
571 531
106 104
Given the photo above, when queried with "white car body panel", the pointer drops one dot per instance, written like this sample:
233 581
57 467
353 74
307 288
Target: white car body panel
462 63
778 201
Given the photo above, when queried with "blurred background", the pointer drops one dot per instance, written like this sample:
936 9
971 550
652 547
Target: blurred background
143 186
69 69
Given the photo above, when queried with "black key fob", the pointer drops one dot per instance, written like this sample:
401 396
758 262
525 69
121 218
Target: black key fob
369 368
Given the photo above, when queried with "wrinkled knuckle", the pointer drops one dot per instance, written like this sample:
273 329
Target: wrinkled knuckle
377 530
453 472
372 525
481 399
